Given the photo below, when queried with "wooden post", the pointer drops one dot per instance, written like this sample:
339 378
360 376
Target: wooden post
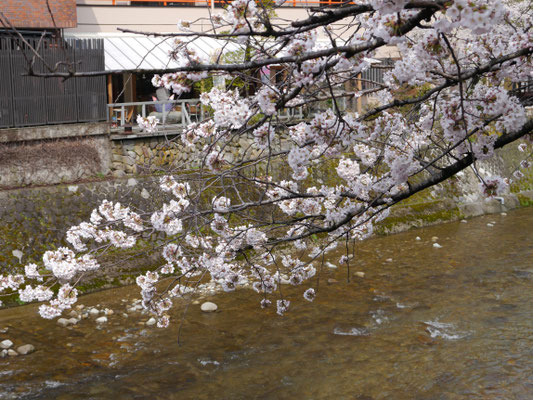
110 89
359 99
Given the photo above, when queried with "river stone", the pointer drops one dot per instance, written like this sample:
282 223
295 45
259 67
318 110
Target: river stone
360 274
6 344
208 307
12 353
25 349
4 330
73 321
94 312
63 322
101 320
145 194
436 245
3 353
152 320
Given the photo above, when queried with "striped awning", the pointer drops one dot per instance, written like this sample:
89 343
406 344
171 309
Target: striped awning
128 52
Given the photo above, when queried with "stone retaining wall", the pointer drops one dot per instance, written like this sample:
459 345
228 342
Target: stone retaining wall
48 155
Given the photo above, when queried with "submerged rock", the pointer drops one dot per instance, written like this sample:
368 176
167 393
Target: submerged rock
101 320
151 321
63 322
6 344
436 245
12 353
26 349
208 307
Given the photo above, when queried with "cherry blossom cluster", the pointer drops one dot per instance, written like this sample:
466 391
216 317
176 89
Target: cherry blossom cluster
148 124
181 82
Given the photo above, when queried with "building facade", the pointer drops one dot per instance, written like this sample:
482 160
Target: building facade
39 14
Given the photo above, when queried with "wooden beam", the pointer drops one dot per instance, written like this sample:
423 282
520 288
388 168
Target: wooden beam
110 89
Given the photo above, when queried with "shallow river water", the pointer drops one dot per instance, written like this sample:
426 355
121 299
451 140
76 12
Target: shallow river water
432 323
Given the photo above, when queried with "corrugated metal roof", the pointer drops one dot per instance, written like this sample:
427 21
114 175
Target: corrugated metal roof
127 52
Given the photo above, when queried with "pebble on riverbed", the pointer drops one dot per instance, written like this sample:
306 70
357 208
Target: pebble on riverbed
66 322
101 320
151 321
330 265
25 349
208 307
6 344
437 246
360 274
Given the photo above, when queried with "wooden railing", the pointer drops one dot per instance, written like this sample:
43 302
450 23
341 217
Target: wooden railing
169 112
172 113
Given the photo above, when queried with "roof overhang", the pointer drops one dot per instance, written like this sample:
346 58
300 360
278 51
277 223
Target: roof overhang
131 52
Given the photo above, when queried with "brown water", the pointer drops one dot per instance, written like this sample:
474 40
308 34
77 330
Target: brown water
448 323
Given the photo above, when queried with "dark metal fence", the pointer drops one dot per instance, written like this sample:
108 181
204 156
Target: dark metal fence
373 76
27 101
524 91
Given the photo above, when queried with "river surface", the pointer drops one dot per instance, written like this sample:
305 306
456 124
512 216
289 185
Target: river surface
423 323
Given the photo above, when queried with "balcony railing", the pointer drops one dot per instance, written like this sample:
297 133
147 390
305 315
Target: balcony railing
208 3
177 113
172 114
